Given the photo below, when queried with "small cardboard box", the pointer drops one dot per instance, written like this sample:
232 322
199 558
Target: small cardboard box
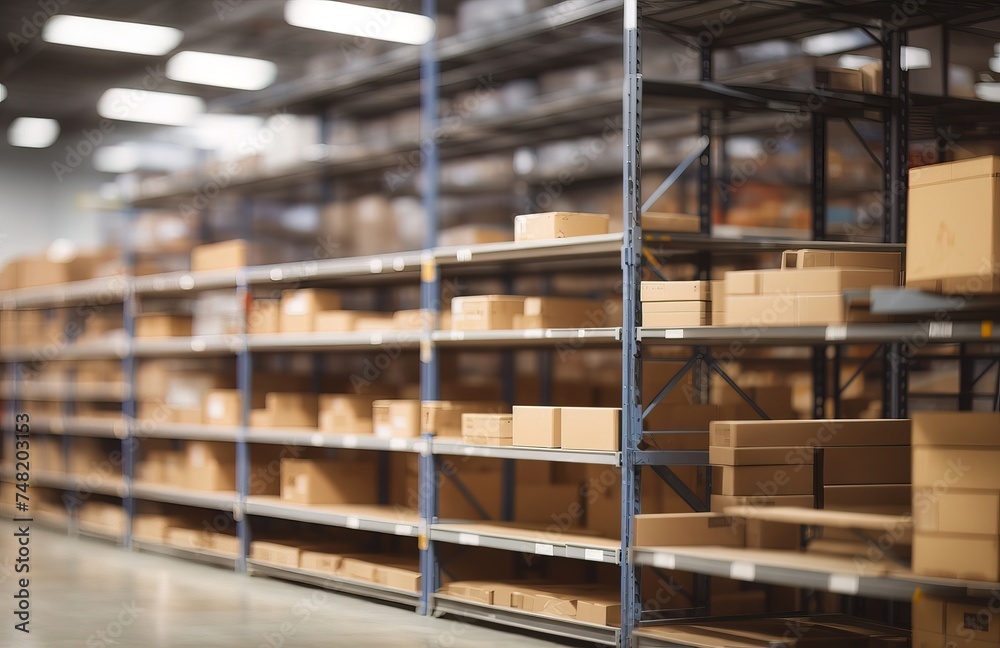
152 325
590 428
299 308
396 418
953 227
687 530
560 312
220 256
676 319
556 225
444 418
827 432
320 561
967 556
292 409
223 407
314 481
537 426
605 611
264 316
956 511
487 426
210 465
283 554
485 312
762 480
346 414
672 291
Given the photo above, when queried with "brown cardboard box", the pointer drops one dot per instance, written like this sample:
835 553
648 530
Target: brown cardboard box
320 561
396 418
671 291
548 504
744 282
471 235
590 428
676 319
402 576
841 465
957 255
479 591
687 530
485 312
346 414
839 79
299 308
929 614
262 418
721 502
498 442
374 322
825 280
444 418
972 622
314 481
487 426
220 256
862 496
210 465
150 325
560 312
188 538
762 480
668 222
702 308
32 271
763 534
293 409
760 310
956 511
537 426
153 527
606 611
832 259
283 554
359 567
828 432
264 316
339 321
555 225
818 310
964 468
968 556
224 543
223 407
956 429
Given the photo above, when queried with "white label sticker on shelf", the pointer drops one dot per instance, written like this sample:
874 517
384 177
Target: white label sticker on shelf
836 332
544 549
470 539
375 266
353 522
940 329
673 334
317 440
376 338
844 584
276 274
399 264
198 345
743 571
404 529
596 555
464 254
185 282
397 444
664 561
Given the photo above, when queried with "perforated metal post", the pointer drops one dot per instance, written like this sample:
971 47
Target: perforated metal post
244 382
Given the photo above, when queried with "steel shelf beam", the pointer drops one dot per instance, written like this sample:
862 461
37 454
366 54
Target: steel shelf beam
95 292
919 333
540 542
77 426
529 338
596 457
332 582
188 431
204 556
112 348
220 500
318 439
364 518
347 341
197 346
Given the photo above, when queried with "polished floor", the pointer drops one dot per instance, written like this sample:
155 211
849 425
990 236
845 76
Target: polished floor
89 594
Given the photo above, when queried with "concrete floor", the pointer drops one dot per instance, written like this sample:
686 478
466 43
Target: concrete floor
85 593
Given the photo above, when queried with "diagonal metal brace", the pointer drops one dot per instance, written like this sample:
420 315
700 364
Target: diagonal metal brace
670 386
652 264
864 365
467 494
673 481
749 401
695 153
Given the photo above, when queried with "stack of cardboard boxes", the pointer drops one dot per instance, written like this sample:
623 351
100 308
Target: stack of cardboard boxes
570 428
507 312
321 481
586 603
676 303
950 623
201 465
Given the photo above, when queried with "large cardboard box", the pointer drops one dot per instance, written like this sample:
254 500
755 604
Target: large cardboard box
315 481
590 428
485 312
760 310
220 256
692 318
841 465
687 530
824 280
559 312
953 227
150 325
537 426
762 480
556 225
826 432
968 556
299 308
292 409
974 622
964 468
320 561
479 428
210 465
223 407
264 316
346 414
396 418
672 291
829 259
956 511
956 429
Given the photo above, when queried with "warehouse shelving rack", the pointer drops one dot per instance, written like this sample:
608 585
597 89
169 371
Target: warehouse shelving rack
403 78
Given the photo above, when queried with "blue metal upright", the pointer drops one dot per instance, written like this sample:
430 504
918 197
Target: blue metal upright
631 276
244 377
430 295
130 308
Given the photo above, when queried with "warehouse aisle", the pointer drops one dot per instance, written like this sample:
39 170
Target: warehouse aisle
89 593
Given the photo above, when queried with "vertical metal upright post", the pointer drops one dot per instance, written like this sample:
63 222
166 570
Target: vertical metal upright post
819 371
430 297
244 383
819 146
130 308
838 354
631 591
966 378
705 162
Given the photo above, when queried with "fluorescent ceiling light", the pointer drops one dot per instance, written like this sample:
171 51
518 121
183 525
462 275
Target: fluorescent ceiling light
855 62
113 35
3 92
916 58
33 132
988 91
130 104
116 159
221 70
834 42
362 22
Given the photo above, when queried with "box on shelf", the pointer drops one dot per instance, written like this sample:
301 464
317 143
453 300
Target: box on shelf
828 432
485 312
842 259
149 325
284 553
669 222
223 407
557 225
188 538
300 307
398 572
780 479
590 428
396 418
224 543
374 322
210 465
346 414
153 527
824 280
559 312
444 418
472 235
537 426
953 227
315 481
337 321
839 79
224 255
687 529
841 465
263 316
481 429
675 291
320 561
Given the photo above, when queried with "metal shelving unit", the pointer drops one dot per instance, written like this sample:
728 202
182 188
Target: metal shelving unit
217 500
334 583
528 541
379 519
204 556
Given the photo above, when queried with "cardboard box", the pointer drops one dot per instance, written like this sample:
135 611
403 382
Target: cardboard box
760 310
828 432
860 497
825 280
763 534
590 428
153 527
471 235
671 291
188 538
556 225
839 259
965 468
283 554
929 614
315 481
967 556
264 316
346 414
871 78
839 79
338 321
396 418
560 312
300 307
668 222
320 561
818 310
676 319
953 227
399 577
374 322
956 429
151 325
744 282
762 480
605 611
293 409
841 465
487 426
220 256
537 426
702 308
444 418
485 312
956 511
479 591
687 530
210 465
223 407
498 442
224 543
359 567
972 622
721 502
